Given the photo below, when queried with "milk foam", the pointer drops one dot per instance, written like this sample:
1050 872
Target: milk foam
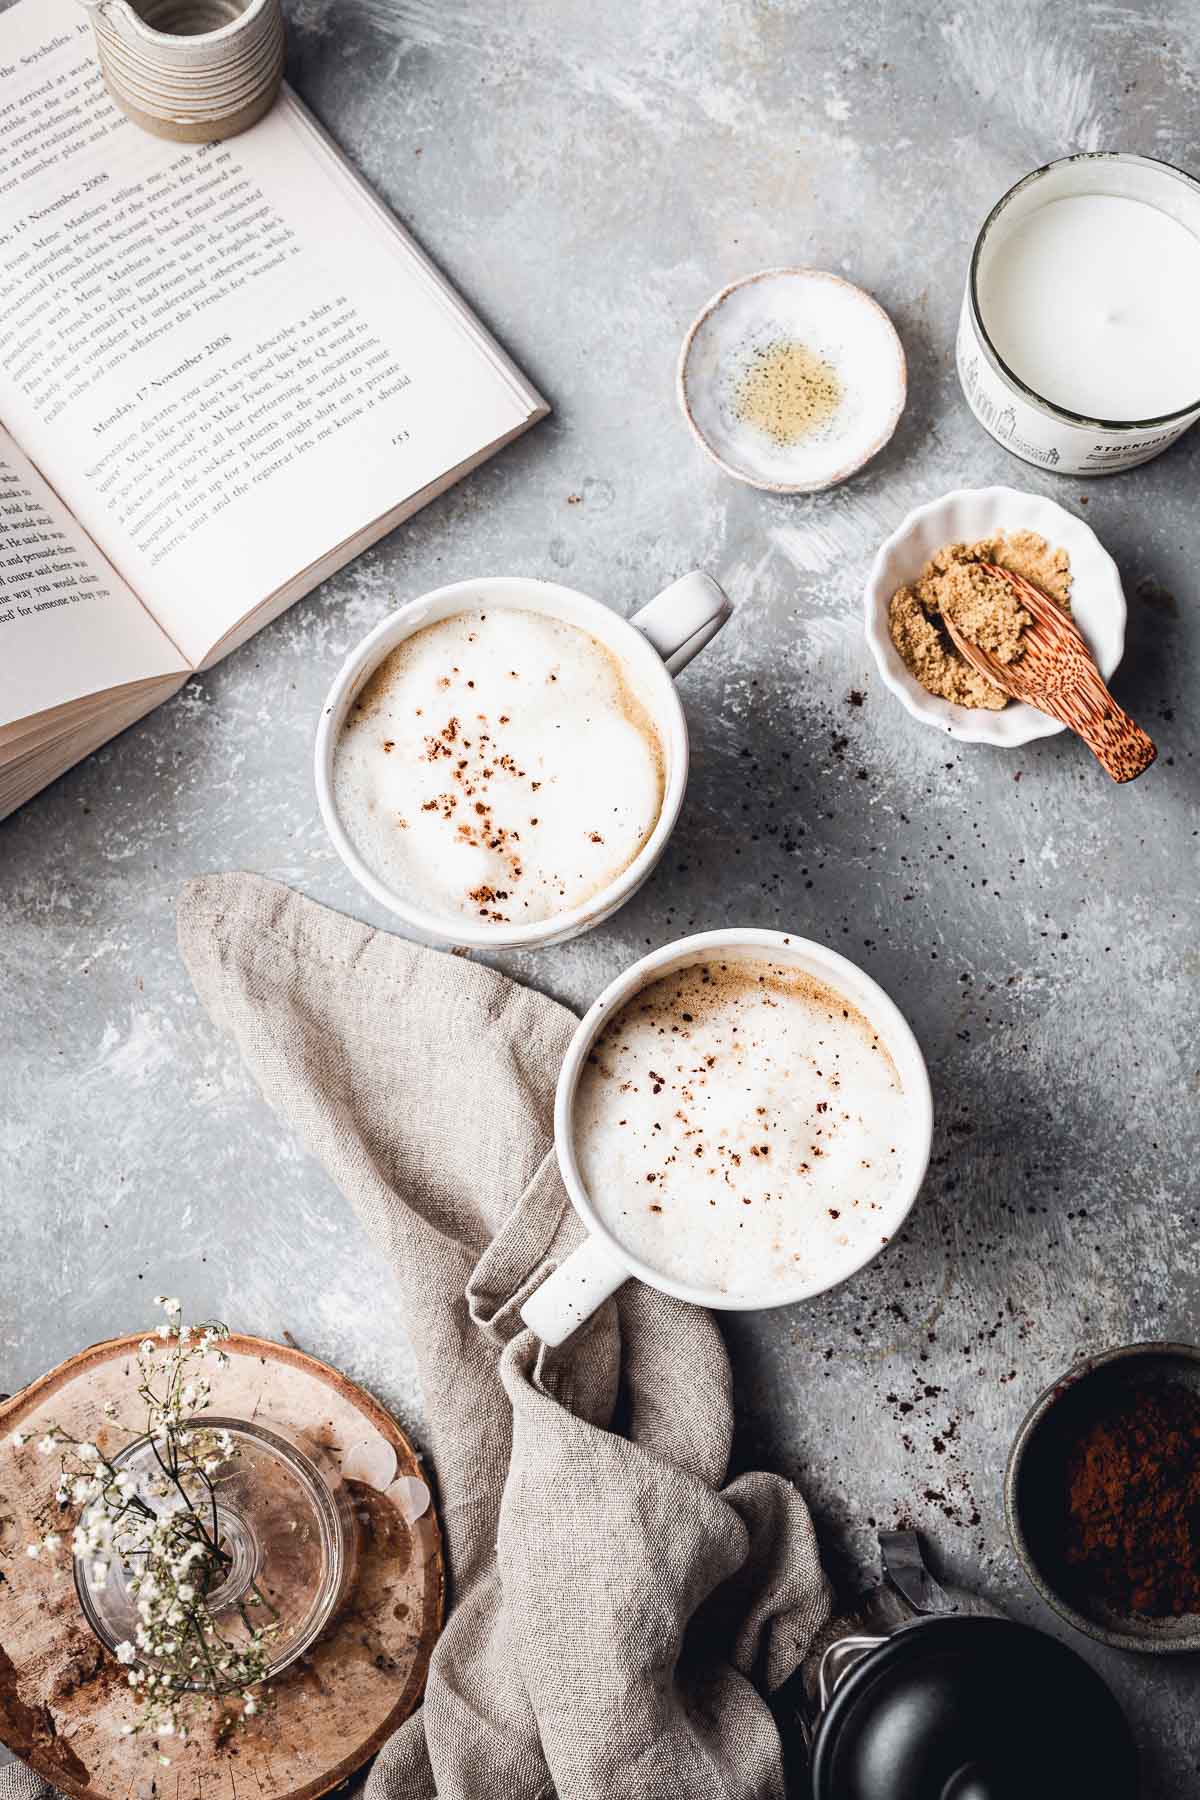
499 766
740 1127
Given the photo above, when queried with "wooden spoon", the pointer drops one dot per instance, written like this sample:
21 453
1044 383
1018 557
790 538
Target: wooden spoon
1055 672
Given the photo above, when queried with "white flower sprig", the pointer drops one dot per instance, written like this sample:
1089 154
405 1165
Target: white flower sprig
165 1535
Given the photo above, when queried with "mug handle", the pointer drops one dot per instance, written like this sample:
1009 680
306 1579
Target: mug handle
683 618
577 1289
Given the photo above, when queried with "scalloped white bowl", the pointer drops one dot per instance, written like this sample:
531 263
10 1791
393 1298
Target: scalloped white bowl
1097 600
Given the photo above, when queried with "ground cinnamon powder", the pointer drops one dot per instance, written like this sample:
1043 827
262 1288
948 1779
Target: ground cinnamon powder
1133 1503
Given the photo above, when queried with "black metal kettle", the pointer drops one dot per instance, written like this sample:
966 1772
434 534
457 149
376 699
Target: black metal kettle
931 1695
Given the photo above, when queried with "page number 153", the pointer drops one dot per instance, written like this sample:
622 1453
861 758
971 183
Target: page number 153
401 437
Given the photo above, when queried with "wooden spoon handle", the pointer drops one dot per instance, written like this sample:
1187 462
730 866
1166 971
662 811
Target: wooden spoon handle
1119 744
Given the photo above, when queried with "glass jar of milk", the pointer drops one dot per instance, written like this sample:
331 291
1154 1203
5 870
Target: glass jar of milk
1079 340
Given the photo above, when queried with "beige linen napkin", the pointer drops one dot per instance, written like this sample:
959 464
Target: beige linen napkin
618 1610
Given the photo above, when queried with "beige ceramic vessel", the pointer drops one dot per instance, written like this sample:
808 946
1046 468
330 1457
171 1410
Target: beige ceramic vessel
190 70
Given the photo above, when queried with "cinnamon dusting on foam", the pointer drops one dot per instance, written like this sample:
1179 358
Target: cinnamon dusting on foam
522 767
739 1125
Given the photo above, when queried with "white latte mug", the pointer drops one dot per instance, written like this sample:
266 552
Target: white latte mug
574 1291
651 647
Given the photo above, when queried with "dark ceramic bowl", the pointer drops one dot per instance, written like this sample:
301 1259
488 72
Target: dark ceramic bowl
1035 1480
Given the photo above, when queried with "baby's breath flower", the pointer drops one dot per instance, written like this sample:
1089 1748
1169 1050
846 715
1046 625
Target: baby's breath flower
157 1528
33 1551
19 1439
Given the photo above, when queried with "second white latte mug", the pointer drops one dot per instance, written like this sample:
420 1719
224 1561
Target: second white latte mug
581 1284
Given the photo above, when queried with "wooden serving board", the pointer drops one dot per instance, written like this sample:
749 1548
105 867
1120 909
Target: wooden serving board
63 1699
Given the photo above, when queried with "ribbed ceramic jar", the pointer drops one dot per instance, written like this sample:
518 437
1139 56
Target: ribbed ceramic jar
191 70
1023 421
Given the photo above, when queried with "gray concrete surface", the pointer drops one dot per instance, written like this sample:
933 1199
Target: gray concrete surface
589 174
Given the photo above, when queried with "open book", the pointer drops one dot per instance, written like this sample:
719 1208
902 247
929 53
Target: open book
224 371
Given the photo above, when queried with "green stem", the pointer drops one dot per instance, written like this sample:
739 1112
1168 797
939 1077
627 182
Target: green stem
195 1627
263 1601
212 1544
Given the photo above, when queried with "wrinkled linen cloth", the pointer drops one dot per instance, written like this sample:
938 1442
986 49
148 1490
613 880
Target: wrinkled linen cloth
618 1609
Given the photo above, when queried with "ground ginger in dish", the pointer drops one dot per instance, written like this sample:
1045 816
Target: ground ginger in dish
984 608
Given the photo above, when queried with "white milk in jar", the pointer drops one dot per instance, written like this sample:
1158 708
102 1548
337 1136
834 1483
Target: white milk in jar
1079 345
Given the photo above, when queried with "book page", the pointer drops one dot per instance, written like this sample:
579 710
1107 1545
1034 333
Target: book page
226 358
69 626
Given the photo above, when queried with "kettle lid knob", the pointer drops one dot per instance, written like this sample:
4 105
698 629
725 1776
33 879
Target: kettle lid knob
970 1783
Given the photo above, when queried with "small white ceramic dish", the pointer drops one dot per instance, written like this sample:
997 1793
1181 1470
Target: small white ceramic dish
830 317
1097 600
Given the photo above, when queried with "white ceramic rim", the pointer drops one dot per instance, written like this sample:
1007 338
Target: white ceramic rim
251 14
707 946
731 469
366 656
975 726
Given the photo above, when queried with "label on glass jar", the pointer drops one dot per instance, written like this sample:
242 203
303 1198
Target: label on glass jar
1046 439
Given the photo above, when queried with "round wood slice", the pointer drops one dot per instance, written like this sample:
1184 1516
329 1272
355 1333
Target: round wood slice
63 1699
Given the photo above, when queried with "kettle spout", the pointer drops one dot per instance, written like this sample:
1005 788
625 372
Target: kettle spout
904 1569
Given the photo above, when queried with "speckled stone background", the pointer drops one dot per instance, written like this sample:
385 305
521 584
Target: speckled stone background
589 174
